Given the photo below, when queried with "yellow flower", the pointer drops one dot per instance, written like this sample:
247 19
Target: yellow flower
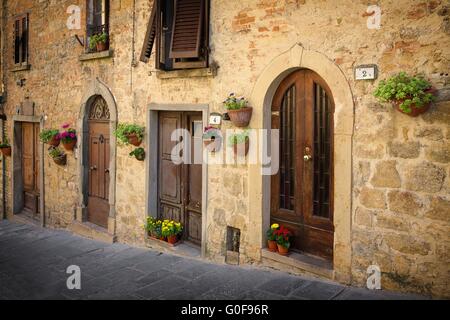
275 226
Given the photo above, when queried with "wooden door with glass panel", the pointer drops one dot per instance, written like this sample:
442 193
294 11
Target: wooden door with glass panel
302 190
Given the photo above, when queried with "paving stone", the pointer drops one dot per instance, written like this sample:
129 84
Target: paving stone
318 291
164 287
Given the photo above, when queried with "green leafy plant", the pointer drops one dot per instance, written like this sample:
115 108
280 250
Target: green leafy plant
234 103
55 153
5 143
405 89
171 228
97 38
47 135
125 129
138 153
153 227
271 233
238 138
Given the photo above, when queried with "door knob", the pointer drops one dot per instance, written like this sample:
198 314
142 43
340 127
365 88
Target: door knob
94 168
106 170
307 157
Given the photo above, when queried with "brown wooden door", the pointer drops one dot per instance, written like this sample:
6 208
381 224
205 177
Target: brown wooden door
180 185
302 190
99 153
30 167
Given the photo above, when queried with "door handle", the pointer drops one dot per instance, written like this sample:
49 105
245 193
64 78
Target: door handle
93 168
307 157
106 170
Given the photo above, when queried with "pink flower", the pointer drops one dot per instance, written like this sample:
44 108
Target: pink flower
66 125
72 135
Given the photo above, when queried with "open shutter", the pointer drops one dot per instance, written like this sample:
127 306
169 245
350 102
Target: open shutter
150 34
24 42
16 41
187 28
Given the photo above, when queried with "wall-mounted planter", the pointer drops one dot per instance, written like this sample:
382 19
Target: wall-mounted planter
60 160
138 153
415 111
241 117
55 141
134 140
69 145
6 151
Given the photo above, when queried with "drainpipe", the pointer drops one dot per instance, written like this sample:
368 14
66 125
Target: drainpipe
2 102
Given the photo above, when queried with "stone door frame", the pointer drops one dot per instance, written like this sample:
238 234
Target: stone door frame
298 57
151 165
96 88
17 180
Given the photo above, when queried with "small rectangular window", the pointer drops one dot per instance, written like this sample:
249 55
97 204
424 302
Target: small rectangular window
21 25
179 29
97 28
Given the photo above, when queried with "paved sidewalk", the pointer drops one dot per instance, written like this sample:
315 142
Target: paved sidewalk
33 263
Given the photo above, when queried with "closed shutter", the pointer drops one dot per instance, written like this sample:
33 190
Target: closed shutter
150 34
21 39
17 41
24 57
187 29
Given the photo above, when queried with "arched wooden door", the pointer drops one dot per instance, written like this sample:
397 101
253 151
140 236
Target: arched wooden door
99 154
302 190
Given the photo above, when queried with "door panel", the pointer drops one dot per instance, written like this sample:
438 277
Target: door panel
301 192
30 167
98 205
180 185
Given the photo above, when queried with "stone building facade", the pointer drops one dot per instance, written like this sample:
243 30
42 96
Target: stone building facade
391 171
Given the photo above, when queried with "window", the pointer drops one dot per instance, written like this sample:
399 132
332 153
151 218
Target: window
21 40
179 29
97 23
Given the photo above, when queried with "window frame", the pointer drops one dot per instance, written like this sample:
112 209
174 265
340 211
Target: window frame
90 28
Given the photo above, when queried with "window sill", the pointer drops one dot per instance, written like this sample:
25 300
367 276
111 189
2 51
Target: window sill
187 73
96 55
18 68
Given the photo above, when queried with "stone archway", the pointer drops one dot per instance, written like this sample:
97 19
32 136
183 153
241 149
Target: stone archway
96 88
296 58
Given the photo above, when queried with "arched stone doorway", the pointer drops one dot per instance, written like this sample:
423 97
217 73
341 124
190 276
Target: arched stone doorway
262 96
97 197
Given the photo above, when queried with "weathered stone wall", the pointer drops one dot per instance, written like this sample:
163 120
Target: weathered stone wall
400 214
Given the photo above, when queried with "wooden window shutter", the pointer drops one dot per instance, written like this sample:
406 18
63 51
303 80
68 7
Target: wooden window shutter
187 28
150 35
21 39
24 36
17 41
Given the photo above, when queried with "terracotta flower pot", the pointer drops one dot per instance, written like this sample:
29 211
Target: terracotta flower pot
172 239
61 160
272 245
241 117
54 142
237 147
134 140
101 46
283 250
69 145
415 111
6 151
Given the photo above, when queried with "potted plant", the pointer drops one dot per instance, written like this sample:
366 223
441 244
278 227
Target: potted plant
129 134
58 156
171 230
212 135
5 147
50 136
272 237
239 141
153 228
98 42
410 95
283 236
68 137
238 111
138 153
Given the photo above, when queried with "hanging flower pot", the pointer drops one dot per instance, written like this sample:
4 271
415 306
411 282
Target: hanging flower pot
68 137
138 153
241 117
6 150
58 156
134 139
70 145
409 95
55 141
239 142
50 136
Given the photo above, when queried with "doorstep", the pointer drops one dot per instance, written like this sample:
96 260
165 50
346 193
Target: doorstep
91 231
25 219
298 263
184 249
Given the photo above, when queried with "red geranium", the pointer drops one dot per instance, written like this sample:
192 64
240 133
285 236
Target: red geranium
283 236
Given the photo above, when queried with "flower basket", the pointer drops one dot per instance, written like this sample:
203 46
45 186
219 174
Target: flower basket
283 250
241 117
69 145
6 151
134 139
272 245
61 160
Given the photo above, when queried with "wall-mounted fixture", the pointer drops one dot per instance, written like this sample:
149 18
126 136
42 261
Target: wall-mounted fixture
21 82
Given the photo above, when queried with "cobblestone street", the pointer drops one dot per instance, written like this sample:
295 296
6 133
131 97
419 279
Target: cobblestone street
33 264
